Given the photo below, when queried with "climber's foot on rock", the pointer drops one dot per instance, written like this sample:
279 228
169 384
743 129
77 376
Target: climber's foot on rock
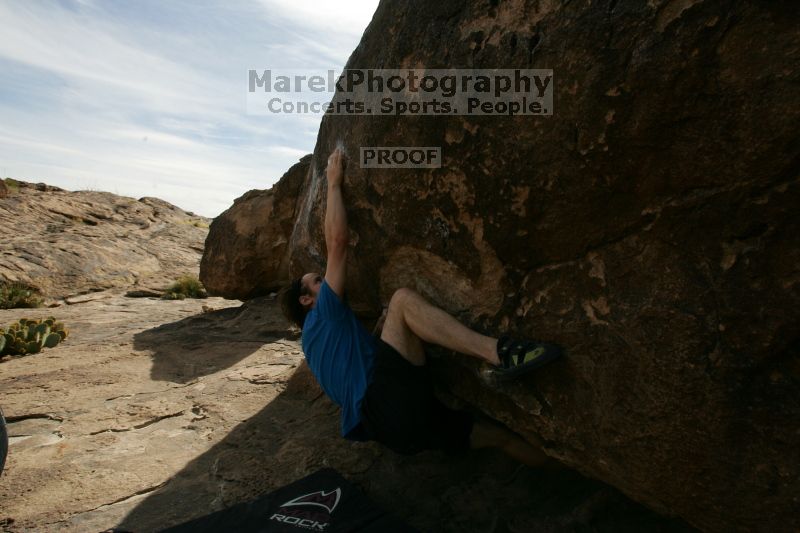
518 357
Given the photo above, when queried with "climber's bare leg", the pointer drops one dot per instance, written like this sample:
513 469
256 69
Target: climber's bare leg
486 434
411 320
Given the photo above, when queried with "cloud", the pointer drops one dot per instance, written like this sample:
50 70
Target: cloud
149 99
326 19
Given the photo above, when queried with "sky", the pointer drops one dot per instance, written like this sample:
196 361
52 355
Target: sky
148 98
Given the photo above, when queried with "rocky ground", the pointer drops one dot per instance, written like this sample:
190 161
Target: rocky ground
68 243
153 412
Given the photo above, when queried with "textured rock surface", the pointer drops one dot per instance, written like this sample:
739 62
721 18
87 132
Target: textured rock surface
649 226
66 243
153 412
247 250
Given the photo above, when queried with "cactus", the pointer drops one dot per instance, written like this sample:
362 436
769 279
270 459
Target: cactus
6 342
42 329
52 340
18 348
173 296
27 336
59 328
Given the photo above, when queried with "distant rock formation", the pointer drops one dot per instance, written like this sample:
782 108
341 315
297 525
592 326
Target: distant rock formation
649 226
67 243
247 253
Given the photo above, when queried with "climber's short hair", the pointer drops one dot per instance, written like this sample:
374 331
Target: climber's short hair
292 309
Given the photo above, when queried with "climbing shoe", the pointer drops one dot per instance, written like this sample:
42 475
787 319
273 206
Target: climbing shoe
518 357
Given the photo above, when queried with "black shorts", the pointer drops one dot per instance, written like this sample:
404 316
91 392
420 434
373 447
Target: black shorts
400 409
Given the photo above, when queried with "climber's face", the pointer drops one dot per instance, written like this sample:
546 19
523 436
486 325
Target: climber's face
309 288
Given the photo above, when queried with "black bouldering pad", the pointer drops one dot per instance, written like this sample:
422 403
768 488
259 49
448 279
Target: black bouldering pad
323 501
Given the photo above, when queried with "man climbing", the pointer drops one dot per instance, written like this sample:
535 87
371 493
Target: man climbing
382 384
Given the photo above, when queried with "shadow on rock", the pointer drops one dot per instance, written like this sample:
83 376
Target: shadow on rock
297 434
203 344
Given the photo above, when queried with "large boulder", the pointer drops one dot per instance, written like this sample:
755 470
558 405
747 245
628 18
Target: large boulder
246 252
649 226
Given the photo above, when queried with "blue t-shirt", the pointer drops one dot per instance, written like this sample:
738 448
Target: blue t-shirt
340 352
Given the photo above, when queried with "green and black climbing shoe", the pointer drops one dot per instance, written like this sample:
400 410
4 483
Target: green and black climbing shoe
518 357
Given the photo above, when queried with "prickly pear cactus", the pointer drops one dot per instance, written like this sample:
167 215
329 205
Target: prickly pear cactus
43 330
52 340
27 336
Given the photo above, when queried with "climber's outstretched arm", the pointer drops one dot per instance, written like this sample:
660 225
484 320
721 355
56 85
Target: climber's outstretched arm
336 225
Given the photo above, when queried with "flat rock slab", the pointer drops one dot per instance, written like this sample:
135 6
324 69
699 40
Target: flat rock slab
90 297
153 412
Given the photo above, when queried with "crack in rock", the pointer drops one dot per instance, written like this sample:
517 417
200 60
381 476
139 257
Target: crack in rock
20 418
265 382
126 498
189 384
139 426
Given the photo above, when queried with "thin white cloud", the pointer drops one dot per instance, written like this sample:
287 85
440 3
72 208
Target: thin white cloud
57 41
98 95
325 20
